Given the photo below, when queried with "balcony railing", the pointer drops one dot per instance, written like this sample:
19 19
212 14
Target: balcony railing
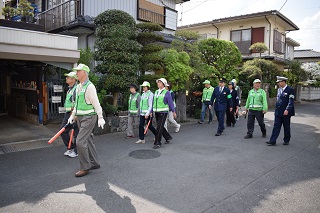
59 15
147 15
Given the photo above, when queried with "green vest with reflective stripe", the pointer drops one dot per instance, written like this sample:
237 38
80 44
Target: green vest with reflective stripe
133 109
207 93
174 101
158 102
255 99
82 108
70 104
144 103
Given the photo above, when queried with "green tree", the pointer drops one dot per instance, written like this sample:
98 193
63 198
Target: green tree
259 47
223 56
25 9
117 50
295 73
150 59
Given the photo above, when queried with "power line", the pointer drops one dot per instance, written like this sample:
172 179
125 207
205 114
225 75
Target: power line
283 5
245 7
195 6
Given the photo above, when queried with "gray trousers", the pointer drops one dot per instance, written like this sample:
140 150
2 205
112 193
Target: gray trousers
85 145
133 120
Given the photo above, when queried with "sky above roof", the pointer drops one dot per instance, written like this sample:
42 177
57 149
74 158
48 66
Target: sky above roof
304 13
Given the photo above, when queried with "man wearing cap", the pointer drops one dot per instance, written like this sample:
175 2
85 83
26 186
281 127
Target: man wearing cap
88 111
283 112
71 80
206 98
162 103
221 97
256 107
145 110
239 92
133 109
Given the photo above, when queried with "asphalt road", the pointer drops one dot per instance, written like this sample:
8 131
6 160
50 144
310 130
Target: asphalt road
196 173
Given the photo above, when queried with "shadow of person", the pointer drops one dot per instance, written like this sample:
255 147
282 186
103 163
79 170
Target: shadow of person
109 201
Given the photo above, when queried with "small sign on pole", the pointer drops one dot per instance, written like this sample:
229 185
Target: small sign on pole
56 99
57 88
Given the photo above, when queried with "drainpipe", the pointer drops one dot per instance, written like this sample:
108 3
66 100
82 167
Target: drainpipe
87 39
217 30
269 33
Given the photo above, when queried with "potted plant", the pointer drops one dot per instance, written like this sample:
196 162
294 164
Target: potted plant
25 10
9 12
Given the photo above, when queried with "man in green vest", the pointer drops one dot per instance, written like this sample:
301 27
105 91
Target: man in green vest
88 111
146 103
71 80
256 107
206 98
133 109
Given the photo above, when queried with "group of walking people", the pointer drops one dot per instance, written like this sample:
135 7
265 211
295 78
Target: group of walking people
83 111
226 103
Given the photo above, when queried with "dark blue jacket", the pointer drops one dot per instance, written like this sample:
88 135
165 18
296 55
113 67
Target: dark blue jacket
285 102
221 100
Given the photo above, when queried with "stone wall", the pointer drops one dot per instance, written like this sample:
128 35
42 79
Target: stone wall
310 93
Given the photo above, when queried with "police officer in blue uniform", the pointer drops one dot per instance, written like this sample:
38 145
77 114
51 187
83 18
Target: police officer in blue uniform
283 112
221 97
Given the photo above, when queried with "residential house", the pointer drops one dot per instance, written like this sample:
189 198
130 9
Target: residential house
270 27
53 37
308 55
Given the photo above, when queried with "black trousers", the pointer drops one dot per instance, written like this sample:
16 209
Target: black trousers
252 115
65 135
161 119
278 122
230 116
141 126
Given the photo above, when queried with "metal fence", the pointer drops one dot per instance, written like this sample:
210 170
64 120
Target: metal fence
60 15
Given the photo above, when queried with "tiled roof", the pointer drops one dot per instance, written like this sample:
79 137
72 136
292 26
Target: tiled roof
247 16
306 54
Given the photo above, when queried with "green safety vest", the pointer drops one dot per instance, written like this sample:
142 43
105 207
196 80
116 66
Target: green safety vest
174 101
158 101
82 108
207 93
257 100
70 104
133 109
144 103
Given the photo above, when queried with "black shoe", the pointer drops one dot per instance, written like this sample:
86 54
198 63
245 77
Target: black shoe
285 143
200 122
95 167
228 124
218 134
233 124
271 143
209 122
248 136
167 141
264 135
156 146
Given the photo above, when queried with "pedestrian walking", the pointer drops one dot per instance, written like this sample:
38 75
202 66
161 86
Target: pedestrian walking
86 111
162 104
133 109
256 107
283 112
231 120
206 98
220 98
145 111
239 92
170 117
71 80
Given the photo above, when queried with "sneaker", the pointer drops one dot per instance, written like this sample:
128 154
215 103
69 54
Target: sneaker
209 122
68 152
178 128
200 122
73 154
141 141
156 146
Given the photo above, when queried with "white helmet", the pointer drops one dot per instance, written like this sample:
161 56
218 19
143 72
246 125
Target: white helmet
163 80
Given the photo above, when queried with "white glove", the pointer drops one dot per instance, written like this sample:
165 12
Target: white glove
101 123
71 119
